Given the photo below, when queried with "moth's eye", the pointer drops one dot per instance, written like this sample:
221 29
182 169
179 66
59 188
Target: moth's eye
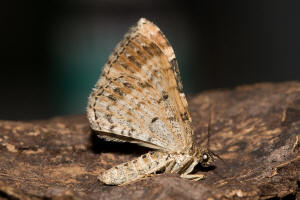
205 157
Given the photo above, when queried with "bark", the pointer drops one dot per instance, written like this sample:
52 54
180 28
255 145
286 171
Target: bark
254 129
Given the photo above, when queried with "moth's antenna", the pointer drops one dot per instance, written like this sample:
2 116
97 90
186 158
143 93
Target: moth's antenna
208 125
216 155
208 135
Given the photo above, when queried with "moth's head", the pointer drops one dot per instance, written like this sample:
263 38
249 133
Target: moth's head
205 157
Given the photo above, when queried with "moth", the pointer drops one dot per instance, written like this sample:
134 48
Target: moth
139 99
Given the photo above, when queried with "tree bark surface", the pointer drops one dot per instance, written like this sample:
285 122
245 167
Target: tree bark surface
255 129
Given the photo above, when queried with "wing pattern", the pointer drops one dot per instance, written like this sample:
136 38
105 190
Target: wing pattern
139 96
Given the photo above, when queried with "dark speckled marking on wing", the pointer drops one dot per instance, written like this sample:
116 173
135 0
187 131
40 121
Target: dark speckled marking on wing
141 84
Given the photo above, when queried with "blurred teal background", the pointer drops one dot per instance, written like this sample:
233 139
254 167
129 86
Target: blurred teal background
53 51
79 48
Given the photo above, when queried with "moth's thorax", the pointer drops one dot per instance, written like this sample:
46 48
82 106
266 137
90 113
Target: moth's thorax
203 155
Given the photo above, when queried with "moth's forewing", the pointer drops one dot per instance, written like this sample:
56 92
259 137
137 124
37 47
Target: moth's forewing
139 97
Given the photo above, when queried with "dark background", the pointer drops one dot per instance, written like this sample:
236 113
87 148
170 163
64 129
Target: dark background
52 51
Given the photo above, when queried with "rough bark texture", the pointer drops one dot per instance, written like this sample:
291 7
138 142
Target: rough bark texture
255 129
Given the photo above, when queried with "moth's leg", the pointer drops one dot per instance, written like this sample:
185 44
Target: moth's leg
181 165
185 167
194 177
135 169
191 167
170 166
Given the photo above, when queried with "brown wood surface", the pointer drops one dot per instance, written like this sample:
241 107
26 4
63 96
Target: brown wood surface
255 129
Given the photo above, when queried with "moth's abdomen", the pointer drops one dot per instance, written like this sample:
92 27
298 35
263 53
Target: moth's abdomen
135 169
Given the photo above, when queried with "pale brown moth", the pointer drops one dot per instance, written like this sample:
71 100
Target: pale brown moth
139 99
